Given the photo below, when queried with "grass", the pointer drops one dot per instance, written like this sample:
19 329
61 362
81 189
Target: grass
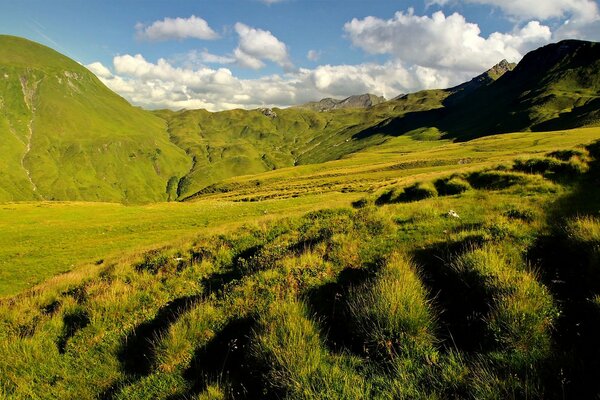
391 301
40 240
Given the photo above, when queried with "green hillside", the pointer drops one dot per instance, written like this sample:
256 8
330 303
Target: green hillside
554 87
467 281
65 136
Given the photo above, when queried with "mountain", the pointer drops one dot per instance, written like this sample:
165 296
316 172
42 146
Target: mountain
358 101
65 136
554 87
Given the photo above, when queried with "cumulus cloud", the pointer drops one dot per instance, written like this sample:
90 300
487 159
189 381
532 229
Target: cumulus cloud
205 57
176 28
99 70
162 85
546 9
442 42
579 19
256 45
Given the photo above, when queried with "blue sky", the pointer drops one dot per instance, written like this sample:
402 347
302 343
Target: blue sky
224 54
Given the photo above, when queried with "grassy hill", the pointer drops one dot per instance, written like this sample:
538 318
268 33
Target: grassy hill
397 252
65 136
554 87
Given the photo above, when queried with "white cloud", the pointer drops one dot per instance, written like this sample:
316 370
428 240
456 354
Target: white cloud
257 45
269 2
546 9
205 57
162 85
176 28
313 55
579 19
442 42
99 70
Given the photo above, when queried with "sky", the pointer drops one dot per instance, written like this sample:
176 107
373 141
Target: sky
225 54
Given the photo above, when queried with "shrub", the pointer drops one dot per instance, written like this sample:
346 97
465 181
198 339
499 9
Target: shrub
551 167
387 197
392 313
360 203
566 155
522 309
153 262
537 165
289 345
418 191
451 186
496 180
525 215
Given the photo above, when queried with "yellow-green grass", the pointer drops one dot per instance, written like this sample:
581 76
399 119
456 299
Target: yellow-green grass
400 160
39 240
77 334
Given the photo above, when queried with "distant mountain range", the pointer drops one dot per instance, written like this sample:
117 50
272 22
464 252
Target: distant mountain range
65 136
358 101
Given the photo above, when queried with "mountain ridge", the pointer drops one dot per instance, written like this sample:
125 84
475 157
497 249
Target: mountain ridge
65 136
365 100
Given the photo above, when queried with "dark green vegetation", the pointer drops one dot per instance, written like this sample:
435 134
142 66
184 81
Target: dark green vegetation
489 293
67 137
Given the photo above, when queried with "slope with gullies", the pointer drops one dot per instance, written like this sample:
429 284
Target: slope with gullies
65 136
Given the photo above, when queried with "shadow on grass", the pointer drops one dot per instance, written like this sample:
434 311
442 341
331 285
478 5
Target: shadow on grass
571 273
72 323
328 303
137 352
462 303
225 360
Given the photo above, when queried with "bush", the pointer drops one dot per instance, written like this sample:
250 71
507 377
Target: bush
418 191
525 215
153 262
537 165
496 180
388 197
566 155
522 311
451 186
550 167
392 314
360 203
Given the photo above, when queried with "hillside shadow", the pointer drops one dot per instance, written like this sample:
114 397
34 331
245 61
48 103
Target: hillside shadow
570 271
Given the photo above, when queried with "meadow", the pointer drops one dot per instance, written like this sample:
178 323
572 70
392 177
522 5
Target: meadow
39 240
465 283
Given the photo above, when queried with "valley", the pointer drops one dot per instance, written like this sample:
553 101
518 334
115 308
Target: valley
441 244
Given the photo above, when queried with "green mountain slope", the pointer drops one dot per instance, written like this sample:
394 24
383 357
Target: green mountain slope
65 136
240 142
554 87
357 101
